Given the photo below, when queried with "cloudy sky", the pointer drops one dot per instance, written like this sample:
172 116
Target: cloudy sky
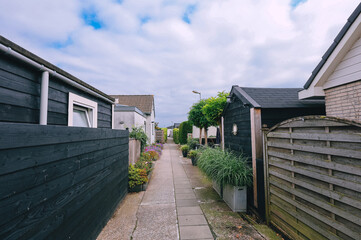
169 48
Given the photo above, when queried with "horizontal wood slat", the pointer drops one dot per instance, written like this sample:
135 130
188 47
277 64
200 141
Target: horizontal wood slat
313 149
350 137
315 162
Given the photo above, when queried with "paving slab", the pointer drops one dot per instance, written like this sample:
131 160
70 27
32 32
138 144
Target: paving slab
196 210
185 196
186 202
195 232
192 220
183 190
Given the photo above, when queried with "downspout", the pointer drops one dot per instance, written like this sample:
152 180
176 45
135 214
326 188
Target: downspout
44 98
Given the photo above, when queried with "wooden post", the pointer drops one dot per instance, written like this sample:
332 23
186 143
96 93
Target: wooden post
256 141
266 175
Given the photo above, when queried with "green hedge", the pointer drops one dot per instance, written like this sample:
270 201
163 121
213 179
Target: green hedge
176 135
184 128
165 132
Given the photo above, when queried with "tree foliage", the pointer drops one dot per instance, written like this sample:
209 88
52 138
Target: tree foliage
184 128
196 116
213 108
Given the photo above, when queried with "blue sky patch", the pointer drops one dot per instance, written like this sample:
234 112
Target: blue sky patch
61 44
295 3
145 19
187 14
91 18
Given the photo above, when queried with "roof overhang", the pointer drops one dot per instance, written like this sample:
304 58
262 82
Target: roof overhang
350 33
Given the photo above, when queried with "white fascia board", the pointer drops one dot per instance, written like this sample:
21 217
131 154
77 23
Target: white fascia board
311 92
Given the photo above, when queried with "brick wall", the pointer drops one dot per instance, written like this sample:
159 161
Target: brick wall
344 101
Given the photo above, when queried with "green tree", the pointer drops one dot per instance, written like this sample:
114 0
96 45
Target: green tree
184 128
214 108
198 119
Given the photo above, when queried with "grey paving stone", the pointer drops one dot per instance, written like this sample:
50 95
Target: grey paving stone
195 232
183 190
192 220
186 202
187 185
185 196
189 211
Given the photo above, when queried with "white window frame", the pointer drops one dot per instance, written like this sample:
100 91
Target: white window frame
76 101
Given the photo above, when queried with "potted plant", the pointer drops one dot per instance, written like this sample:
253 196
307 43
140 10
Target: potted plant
193 156
136 178
230 174
184 149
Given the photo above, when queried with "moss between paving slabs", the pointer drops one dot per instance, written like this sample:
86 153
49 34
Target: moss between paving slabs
226 224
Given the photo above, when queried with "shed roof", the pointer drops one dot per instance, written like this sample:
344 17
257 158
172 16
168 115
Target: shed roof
144 102
273 97
13 46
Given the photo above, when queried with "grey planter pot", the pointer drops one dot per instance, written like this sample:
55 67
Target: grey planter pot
218 188
235 197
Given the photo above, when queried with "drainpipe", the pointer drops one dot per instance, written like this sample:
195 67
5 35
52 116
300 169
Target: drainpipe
44 98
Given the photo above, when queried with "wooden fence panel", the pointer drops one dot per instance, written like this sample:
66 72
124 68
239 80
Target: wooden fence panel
60 182
313 178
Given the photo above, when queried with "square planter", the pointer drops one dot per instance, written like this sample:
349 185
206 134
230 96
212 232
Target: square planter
217 187
235 197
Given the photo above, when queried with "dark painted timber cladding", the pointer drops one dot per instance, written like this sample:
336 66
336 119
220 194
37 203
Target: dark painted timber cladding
20 96
60 182
240 115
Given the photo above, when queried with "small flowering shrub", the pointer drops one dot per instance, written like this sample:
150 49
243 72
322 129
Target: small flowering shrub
144 164
154 155
136 176
160 145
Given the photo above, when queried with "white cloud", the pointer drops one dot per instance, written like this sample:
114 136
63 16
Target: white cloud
144 47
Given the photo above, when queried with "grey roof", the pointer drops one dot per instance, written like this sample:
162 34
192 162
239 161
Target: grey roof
336 41
6 42
124 108
144 102
273 97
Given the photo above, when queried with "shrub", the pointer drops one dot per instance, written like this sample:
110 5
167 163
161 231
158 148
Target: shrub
139 134
143 164
184 128
176 135
136 176
165 133
225 167
184 149
192 153
153 154
192 143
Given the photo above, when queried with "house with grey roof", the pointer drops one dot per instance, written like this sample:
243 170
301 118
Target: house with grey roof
141 104
337 77
247 111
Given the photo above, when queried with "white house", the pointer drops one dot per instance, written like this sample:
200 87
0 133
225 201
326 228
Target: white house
337 77
144 103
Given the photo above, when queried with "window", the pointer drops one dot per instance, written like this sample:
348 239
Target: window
82 112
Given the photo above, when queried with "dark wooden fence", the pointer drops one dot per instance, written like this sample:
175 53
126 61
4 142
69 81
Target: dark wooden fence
59 182
313 178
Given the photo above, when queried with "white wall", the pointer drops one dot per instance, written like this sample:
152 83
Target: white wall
348 70
212 131
130 119
150 128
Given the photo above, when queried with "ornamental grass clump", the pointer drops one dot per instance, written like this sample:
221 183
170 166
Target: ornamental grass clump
225 167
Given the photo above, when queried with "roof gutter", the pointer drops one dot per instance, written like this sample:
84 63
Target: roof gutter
8 50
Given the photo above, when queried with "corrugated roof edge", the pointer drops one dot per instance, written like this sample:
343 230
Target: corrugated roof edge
336 41
39 60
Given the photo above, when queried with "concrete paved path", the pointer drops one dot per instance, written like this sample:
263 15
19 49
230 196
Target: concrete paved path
168 209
